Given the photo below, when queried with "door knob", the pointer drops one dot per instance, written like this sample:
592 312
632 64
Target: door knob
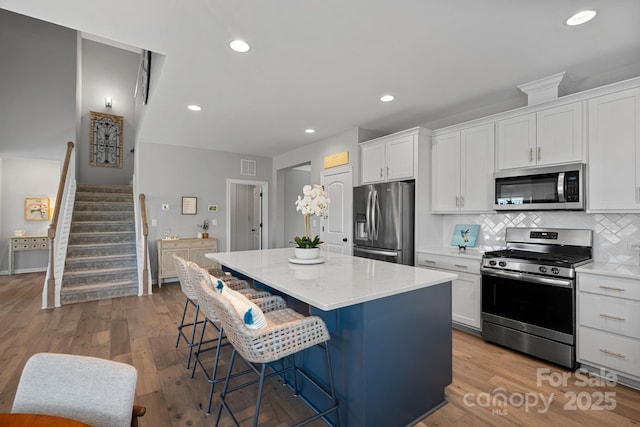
344 239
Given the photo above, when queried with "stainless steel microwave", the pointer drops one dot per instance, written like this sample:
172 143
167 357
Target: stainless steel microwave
547 188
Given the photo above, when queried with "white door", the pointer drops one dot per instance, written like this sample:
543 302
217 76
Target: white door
256 225
337 224
246 215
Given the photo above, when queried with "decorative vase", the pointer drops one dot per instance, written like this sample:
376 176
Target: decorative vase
307 253
205 235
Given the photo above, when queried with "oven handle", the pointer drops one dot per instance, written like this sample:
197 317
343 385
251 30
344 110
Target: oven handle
564 283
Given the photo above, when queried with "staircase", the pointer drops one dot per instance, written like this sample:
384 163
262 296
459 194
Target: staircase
101 255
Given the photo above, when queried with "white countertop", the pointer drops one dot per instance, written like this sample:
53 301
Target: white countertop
340 281
609 269
471 253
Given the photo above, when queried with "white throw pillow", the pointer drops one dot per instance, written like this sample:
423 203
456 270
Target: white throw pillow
248 311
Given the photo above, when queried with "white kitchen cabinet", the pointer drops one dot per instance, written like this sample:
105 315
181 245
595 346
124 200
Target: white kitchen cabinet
462 170
546 137
516 142
465 290
388 159
614 152
608 323
559 136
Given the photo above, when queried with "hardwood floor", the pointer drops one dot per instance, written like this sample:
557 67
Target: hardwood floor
142 331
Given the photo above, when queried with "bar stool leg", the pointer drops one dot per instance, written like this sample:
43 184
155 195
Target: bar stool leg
259 400
194 324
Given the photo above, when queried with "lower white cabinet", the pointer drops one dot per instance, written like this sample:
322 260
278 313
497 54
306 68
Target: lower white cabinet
465 290
609 323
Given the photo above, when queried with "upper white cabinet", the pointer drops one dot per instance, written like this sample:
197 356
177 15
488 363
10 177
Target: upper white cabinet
546 137
614 152
388 159
462 167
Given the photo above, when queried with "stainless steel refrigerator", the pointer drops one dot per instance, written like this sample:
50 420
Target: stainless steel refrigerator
384 217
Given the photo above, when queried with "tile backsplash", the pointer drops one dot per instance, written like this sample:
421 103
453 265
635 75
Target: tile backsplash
613 234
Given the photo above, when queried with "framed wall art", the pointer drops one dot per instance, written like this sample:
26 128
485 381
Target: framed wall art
36 209
189 205
465 235
106 140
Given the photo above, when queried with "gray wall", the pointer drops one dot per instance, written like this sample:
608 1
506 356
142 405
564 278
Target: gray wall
294 180
107 71
37 118
25 178
166 173
38 87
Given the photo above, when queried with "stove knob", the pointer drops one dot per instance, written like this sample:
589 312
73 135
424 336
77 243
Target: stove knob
554 270
502 264
543 269
492 263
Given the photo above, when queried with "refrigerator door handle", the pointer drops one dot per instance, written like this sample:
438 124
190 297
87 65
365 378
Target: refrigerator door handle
374 216
368 229
378 215
376 252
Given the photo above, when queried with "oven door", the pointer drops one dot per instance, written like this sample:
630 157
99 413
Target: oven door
537 305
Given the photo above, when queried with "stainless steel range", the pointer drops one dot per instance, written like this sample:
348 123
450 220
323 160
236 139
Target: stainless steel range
528 291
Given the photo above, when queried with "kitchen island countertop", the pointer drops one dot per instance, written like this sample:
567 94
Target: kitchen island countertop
340 281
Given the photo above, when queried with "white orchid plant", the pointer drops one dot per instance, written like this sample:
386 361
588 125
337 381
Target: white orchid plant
314 201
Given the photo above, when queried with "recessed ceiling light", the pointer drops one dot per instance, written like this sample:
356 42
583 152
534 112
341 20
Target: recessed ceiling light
387 98
310 131
194 107
581 17
240 46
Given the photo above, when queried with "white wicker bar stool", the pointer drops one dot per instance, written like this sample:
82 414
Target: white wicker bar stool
201 278
192 300
284 334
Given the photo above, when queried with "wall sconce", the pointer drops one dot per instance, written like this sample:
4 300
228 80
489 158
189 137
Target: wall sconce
108 102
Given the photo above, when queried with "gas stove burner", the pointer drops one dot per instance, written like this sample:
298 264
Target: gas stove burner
540 257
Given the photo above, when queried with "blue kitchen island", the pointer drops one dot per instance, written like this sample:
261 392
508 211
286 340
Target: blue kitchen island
390 327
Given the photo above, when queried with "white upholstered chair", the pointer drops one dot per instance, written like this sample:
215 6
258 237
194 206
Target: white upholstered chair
98 392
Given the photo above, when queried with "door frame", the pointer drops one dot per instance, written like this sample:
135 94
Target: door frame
265 209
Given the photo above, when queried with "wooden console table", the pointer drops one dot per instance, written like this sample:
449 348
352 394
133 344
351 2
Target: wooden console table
189 249
25 243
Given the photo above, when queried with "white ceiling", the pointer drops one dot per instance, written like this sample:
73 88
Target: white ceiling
324 64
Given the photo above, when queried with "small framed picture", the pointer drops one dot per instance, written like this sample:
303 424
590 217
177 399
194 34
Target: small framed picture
189 205
465 235
212 208
36 209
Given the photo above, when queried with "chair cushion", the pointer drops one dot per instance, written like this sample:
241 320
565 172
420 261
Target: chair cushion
249 312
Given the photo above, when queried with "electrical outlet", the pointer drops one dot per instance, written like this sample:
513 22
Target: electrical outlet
165 206
154 222
214 222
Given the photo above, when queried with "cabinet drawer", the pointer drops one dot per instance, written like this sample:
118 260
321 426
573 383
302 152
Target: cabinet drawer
453 263
203 244
617 315
608 350
612 286
168 244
